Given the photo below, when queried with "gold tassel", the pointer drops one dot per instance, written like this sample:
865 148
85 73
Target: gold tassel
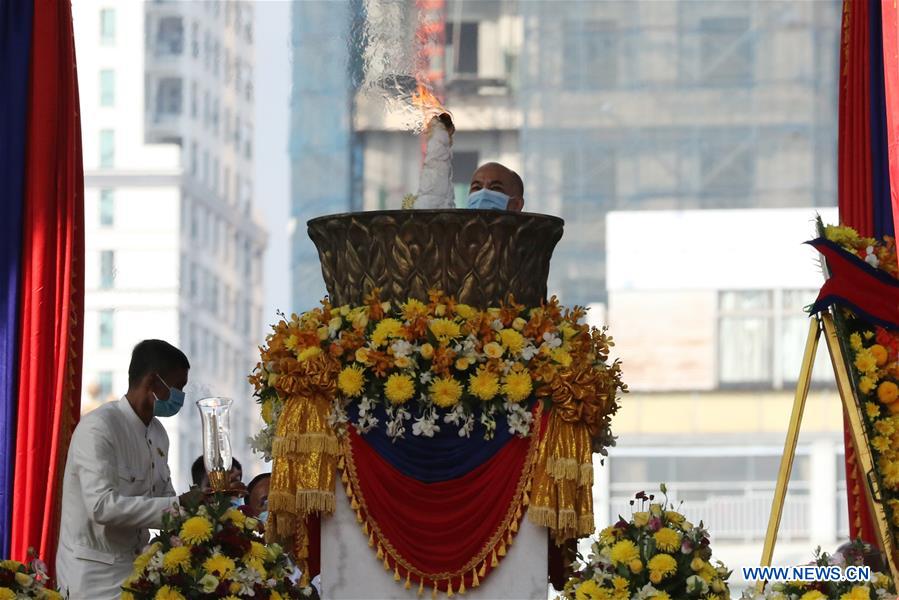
421 586
365 528
396 573
386 564
408 585
526 500
449 589
462 585
380 552
493 561
518 514
434 591
371 540
509 538
340 463
502 550
344 478
359 516
475 582
483 571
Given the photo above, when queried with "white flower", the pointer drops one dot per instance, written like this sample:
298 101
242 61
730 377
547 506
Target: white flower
497 325
552 340
489 424
467 427
365 405
455 416
366 423
396 427
529 352
401 348
519 419
695 584
870 257
425 426
425 377
209 583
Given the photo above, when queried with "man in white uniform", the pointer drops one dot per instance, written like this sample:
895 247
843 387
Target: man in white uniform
117 483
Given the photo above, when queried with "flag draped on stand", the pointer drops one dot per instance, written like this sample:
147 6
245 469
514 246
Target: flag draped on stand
42 317
868 163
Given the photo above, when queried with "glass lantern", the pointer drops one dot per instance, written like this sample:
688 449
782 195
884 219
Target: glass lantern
215 414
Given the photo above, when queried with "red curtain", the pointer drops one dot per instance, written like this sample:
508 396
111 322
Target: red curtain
52 303
855 196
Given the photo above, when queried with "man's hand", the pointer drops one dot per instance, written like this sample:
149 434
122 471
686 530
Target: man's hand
191 498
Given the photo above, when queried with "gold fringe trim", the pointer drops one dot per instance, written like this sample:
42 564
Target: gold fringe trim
483 570
475 582
408 585
421 586
462 589
305 443
303 502
562 469
449 588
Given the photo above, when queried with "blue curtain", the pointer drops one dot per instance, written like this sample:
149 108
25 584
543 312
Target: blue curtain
15 51
880 160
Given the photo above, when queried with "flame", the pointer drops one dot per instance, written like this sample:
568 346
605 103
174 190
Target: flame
424 99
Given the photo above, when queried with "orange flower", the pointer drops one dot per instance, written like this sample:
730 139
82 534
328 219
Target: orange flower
880 354
887 392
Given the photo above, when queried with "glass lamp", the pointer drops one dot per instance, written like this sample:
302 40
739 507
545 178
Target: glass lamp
215 414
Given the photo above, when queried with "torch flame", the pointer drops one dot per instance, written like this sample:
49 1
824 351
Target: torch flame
425 100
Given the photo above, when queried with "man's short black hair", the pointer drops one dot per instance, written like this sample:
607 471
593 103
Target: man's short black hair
198 469
256 481
154 355
518 182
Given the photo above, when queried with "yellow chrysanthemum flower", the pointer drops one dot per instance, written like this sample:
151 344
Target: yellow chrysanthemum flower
219 564
859 592
880 354
427 351
413 309
196 530
674 517
385 330
667 539
661 596
351 380
512 340
636 566
465 311
841 234
126 595
872 410
257 551
141 561
865 361
235 516
590 590
517 386
855 341
445 391
880 443
399 388
661 565
168 593
887 392
563 357
813 595
7 594
608 535
445 330
275 596
493 350
11 565
268 408
624 552
866 384
307 353
176 559
518 324
484 385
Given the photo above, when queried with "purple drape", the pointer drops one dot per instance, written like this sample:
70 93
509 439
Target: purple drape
880 166
15 50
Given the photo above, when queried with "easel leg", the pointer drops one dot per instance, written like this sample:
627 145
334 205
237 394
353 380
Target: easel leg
789 453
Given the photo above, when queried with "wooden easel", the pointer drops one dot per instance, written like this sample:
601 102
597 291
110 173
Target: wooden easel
824 322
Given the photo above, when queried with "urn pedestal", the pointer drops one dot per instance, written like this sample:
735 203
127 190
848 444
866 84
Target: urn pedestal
480 257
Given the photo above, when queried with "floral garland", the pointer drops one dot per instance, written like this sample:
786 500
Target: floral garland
442 363
657 554
26 580
213 550
875 367
879 588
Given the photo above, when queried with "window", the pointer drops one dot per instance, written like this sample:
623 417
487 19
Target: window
107 147
248 142
207 108
591 54
206 167
761 338
194 288
107 328
215 117
462 48
727 168
193 158
168 97
207 49
104 383
237 132
107 87
589 182
107 269
193 99
216 175
170 37
726 51
107 208
217 60
226 181
107 26
195 39
229 67
464 165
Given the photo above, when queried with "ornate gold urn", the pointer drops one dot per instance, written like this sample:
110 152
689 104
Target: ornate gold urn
478 256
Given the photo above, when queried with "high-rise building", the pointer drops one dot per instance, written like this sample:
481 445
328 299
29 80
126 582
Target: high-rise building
173 246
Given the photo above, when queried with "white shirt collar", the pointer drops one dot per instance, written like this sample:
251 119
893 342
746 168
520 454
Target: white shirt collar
131 416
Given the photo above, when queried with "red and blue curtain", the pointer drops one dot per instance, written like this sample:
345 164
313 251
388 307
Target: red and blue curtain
41 266
868 161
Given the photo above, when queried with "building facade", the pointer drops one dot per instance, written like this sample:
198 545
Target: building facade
173 246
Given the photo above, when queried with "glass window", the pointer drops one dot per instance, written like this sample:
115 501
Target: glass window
195 39
107 26
462 48
590 55
170 37
107 324
168 97
107 269
107 208
193 158
107 147
727 167
107 87
104 382
726 50
745 337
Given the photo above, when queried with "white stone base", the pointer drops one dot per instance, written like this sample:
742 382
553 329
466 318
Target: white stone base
351 571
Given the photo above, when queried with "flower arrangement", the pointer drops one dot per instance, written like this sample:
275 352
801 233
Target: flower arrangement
213 550
879 587
440 363
26 580
658 554
874 358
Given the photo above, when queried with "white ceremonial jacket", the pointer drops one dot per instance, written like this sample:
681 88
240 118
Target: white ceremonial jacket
116 486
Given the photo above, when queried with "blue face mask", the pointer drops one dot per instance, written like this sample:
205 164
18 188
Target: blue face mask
170 406
488 200
263 516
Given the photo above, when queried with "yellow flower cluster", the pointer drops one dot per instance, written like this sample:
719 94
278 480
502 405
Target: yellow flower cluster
440 353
